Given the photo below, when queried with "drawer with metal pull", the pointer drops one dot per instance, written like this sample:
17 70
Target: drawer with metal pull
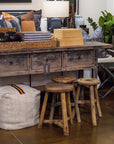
46 62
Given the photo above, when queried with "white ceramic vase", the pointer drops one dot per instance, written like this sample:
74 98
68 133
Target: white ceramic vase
78 21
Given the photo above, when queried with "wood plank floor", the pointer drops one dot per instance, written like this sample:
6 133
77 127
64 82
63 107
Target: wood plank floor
82 133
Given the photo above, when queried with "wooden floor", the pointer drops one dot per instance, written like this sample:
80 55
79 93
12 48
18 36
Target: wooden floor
82 133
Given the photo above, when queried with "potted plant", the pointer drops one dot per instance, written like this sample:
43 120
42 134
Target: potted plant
106 21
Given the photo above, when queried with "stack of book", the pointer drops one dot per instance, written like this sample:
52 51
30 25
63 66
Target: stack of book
68 37
36 36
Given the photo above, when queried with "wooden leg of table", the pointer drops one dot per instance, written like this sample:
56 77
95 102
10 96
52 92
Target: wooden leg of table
77 107
43 110
69 107
97 102
93 114
64 114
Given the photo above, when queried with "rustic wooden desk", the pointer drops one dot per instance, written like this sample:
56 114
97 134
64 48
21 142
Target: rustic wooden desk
32 61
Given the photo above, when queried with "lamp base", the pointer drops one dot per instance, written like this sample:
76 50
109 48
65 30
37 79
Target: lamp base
54 23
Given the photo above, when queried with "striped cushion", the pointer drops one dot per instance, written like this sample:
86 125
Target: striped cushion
7 16
2 23
15 22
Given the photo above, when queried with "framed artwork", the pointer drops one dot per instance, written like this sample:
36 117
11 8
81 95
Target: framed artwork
15 1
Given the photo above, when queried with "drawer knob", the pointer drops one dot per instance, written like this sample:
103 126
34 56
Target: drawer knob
11 63
79 57
46 67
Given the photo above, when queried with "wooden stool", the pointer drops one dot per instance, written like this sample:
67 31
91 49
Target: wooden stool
92 83
64 91
64 79
68 80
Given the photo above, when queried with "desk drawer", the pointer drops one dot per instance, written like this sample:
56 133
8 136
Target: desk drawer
39 60
11 63
78 58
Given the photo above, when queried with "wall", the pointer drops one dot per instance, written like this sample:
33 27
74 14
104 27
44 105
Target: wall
91 8
36 4
110 6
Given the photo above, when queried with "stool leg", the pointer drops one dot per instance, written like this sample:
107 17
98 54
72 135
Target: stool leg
64 114
69 107
58 96
97 102
43 110
77 107
52 107
93 114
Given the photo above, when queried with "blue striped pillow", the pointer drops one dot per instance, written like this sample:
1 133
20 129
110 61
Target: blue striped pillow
15 22
2 23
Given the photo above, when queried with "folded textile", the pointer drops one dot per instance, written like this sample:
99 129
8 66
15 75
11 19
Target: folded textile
36 36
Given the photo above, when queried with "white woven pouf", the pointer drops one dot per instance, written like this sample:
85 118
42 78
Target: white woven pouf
19 110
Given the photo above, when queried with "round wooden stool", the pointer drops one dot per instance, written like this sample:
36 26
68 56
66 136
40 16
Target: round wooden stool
69 80
64 91
64 79
92 83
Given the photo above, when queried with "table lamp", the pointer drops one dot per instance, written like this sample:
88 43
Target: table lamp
55 9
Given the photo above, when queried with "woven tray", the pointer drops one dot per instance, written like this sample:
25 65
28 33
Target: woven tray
26 45
6 29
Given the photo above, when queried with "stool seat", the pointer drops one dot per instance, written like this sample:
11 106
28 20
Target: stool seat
88 81
59 87
64 79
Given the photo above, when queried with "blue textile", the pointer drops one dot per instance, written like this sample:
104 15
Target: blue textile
15 22
2 23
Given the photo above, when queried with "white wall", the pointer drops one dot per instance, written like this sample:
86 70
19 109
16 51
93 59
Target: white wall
110 6
91 8
35 5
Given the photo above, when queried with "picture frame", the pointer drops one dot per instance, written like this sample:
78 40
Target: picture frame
15 1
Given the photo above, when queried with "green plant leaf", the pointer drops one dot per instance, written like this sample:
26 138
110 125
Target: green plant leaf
106 11
103 14
109 16
92 23
107 38
112 18
101 21
90 20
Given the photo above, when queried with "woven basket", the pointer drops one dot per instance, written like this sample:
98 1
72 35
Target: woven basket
6 29
26 45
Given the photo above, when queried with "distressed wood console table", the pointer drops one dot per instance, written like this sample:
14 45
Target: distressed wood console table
32 61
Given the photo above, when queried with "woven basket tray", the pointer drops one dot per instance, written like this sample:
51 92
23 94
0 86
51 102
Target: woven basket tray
26 45
6 29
